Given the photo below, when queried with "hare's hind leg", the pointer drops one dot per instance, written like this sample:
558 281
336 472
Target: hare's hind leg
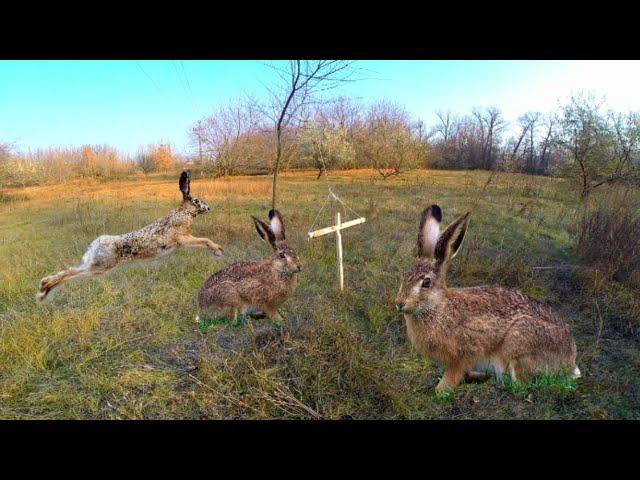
473 376
479 372
214 312
98 259
50 282
532 365
274 316
253 312
272 313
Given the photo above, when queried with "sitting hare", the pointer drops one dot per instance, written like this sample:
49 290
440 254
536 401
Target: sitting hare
158 239
253 287
477 329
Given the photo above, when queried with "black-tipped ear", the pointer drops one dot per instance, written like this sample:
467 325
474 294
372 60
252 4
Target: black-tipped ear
277 224
429 231
451 240
185 185
264 231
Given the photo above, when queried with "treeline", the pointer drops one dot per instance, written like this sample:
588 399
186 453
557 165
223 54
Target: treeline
98 161
338 134
582 140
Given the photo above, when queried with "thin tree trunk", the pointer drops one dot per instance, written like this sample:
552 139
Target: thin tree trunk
292 92
275 174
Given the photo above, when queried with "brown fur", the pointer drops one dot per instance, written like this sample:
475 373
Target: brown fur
253 287
473 330
155 240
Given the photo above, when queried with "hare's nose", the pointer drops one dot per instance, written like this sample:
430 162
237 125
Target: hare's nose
400 306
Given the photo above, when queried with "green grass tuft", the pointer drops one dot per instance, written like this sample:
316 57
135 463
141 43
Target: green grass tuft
560 383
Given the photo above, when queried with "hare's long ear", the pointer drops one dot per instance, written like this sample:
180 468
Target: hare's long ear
277 225
429 231
185 185
450 241
265 232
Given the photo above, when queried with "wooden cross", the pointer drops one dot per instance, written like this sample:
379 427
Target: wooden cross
336 228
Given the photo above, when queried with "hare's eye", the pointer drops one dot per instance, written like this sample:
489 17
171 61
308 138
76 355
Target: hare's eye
426 282
283 255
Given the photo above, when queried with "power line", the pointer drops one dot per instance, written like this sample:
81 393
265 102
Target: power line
184 72
152 81
184 80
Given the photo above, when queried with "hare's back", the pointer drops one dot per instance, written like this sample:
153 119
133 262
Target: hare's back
509 312
234 285
239 276
501 302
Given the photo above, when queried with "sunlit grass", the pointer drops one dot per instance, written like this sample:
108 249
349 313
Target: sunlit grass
125 345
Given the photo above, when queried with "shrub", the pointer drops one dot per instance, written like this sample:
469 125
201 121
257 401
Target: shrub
608 241
609 236
157 158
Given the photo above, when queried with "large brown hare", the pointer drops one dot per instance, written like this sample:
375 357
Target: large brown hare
255 288
156 240
477 330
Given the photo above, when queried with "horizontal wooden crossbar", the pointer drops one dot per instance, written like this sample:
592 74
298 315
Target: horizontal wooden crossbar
335 228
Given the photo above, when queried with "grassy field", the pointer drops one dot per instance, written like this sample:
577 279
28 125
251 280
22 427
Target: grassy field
125 345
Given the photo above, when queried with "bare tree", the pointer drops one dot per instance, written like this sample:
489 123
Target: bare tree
490 124
529 122
547 144
223 137
6 150
445 126
446 138
531 149
387 141
342 112
323 146
599 148
524 128
296 89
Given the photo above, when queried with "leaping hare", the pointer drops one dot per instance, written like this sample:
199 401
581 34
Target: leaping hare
253 287
478 329
158 239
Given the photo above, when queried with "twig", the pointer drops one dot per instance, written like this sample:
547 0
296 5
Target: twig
226 397
557 267
92 357
283 392
600 322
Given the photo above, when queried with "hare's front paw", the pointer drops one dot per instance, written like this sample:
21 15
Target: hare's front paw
217 251
443 387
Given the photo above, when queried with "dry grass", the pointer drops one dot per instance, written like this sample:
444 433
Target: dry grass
610 234
125 345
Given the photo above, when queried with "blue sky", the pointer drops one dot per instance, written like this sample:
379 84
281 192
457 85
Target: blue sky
128 104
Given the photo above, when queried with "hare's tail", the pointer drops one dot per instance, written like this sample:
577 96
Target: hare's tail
575 373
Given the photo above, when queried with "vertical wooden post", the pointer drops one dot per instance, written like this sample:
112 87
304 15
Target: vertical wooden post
339 249
337 230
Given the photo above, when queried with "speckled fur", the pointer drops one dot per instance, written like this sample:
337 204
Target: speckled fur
477 329
155 240
257 287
